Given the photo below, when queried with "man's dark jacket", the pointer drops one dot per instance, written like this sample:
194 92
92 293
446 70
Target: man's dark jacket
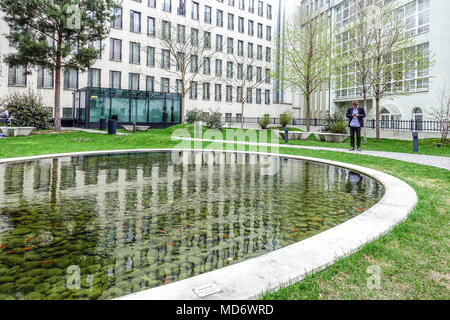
361 112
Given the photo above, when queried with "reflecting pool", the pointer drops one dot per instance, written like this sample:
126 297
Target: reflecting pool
99 227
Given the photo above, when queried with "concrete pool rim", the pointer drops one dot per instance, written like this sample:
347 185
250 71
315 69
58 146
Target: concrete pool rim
251 278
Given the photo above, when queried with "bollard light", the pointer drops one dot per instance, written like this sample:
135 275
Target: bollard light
415 141
286 134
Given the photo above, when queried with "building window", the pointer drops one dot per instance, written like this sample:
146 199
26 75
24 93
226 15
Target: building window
206 65
258 96
250 28
218 92
194 37
165 59
230 70
231 3
194 12
249 95
267 78
230 21
238 95
150 83
44 78
267 96
250 50
150 56
152 3
167 5
150 26
259 54
228 117
181 33
230 45
268 54
218 67
165 29
193 91
260 31
181 8
238 117
240 71
94 79
219 42
135 21
178 86
194 64
207 39
251 6
269 12
260 8
240 48
115 50
240 24
116 18
258 74
229 93
70 79
268 33
241 4
115 79
165 85
208 14
219 18
97 45
133 81
135 53
250 73
206 91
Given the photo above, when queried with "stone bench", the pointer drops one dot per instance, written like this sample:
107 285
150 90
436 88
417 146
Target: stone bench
16 131
331 137
129 128
295 135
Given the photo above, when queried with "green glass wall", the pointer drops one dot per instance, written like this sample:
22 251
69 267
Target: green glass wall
129 106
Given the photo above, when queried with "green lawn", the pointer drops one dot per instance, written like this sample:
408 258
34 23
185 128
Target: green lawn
413 257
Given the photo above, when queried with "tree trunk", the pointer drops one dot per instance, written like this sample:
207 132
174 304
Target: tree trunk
365 109
242 114
57 118
183 95
377 112
307 113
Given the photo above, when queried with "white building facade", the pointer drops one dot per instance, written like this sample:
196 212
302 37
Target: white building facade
127 61
428 21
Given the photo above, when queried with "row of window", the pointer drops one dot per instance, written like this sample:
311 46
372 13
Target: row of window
17 76
195 8
135 24
115 52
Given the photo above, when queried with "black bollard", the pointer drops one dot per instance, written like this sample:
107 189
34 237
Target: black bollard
112 126
286 134
102 124
415 141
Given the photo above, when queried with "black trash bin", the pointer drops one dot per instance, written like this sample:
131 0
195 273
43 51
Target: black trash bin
102 124
112 126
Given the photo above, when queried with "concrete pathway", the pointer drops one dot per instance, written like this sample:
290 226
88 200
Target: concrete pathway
435 161
91 131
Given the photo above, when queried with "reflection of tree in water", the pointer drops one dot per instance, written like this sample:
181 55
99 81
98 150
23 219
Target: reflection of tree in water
136 221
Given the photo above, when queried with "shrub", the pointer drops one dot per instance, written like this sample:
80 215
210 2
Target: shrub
28 109
286 118
214 120
264 122
339 127
331 120
194 115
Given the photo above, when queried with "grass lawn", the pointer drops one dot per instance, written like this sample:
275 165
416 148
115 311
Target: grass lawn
413 257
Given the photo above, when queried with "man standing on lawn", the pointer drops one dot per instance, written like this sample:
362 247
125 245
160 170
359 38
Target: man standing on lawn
355 118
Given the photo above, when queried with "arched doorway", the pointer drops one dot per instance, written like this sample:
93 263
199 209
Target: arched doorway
418 118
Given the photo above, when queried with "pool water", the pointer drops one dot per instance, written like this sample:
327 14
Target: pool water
99 227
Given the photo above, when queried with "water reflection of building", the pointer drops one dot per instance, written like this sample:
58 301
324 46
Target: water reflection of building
145 203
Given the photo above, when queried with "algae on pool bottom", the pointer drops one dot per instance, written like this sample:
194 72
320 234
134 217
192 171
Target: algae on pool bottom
99 227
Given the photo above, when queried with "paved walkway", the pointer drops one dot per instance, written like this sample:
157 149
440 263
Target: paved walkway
91 130
435 161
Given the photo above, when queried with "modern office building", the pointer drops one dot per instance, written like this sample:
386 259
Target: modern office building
426 20
132 57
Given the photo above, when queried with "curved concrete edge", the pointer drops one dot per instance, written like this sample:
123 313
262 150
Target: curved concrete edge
251 278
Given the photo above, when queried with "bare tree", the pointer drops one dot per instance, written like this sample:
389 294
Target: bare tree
250 74
186 52
441 114
358 57
307 54
394 55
